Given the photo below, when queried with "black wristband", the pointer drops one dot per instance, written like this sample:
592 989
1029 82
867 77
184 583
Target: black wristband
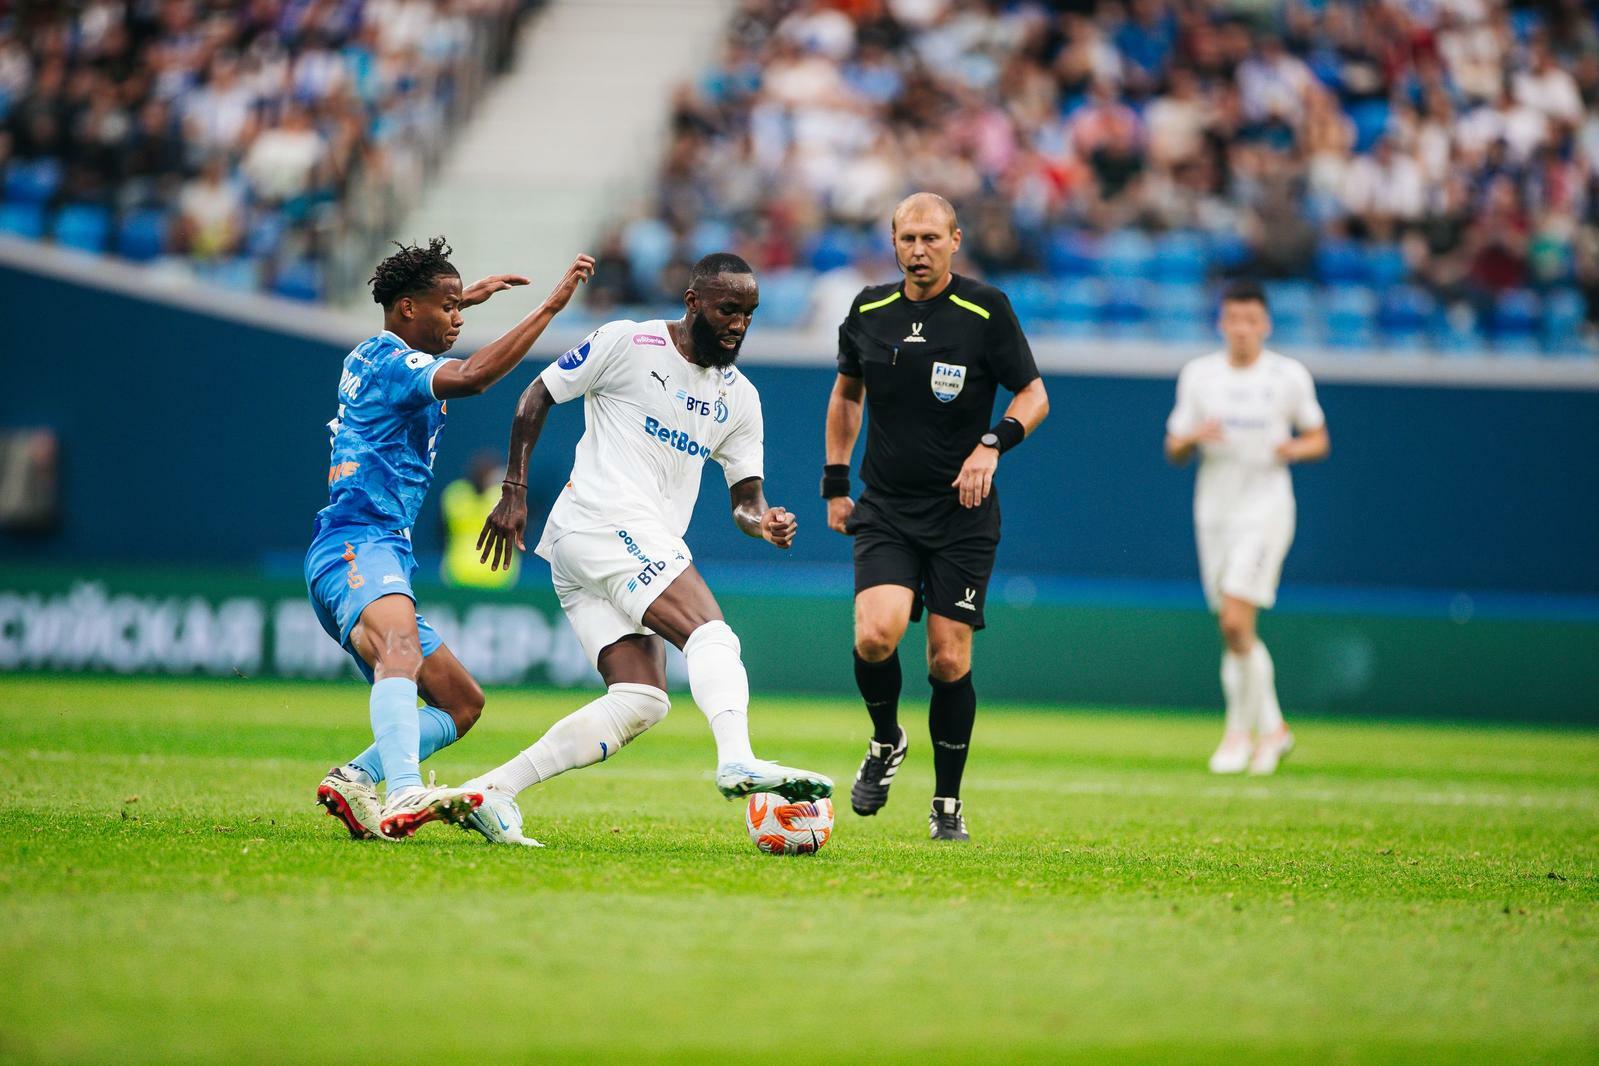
1010 433
835 480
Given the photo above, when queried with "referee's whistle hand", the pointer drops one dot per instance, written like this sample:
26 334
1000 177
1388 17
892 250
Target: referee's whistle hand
976 478
839 508
778 527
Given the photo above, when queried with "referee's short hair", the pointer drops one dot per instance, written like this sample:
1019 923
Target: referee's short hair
1244 291
716 264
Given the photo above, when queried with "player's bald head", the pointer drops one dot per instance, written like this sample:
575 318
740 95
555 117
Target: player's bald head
924 208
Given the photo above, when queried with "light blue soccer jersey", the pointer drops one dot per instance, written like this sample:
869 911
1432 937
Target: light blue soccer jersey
383 438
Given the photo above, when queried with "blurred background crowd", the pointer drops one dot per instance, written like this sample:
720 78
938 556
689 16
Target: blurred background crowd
1405 174
1411 173
261 145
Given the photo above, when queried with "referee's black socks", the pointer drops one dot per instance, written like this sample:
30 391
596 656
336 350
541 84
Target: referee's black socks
949 719
879 684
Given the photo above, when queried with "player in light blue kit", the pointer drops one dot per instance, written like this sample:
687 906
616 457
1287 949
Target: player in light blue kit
391 408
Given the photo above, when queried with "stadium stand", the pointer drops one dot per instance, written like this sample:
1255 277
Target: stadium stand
263 146
1404 174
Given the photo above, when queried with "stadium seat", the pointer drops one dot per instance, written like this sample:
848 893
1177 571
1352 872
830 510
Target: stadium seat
1072 253
1077 306
1564 311
1181 313
1340 261
82 226
1126 254
299 280
142 236
1351 317
1033 298
1295 316
22 220
1179 257
1405 316
785 297
1385 265
648 243
1371 122
1228 251
1456 332
33 181
832 248
1515 325
1125 313
710 235
265 234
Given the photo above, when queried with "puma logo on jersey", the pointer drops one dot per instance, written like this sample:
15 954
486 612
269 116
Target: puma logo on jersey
658 377
971 594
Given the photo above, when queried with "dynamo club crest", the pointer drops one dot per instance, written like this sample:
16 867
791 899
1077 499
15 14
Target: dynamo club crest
948 380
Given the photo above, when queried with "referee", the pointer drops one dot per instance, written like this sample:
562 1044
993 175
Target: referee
926 357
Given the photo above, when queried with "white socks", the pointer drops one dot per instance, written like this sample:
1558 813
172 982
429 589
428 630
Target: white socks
720 686
1250 684
590 734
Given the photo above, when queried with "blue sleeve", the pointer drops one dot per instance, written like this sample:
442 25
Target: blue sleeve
408 379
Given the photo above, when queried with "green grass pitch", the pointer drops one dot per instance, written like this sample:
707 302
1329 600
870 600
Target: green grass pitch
1399 893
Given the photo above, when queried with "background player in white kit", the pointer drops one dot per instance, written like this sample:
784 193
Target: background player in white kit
659 400
1240 408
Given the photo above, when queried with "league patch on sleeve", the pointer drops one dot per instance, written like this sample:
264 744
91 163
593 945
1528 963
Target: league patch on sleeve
418 360
574 358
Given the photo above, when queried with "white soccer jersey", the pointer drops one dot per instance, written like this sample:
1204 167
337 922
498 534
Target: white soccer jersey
652 419
1241 481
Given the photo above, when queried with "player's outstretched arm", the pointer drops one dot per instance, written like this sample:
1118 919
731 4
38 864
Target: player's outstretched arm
507 522
474 374
843 429
775 525
479 291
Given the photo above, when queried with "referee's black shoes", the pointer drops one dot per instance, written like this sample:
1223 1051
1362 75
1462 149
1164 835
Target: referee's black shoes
945 821
877 771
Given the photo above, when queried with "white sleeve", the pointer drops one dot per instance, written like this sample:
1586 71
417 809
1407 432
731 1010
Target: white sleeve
742 452
1307 413
1184 417
582 369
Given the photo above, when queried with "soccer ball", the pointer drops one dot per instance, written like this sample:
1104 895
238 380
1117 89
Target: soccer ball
779 827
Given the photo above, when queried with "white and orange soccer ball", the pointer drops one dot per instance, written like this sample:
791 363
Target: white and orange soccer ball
779 827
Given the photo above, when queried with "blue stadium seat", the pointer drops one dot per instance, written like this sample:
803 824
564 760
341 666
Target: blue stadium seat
142 236
1456 331
709 235
241 274
1515 325
1339 261
1385 265
1033 298
1371 122
1077 306
1295 316
785 297
1406 317
1351 317
299 280
1072 254
1179 257
1126 254
1125 312
1181 313
22 220
648 243
82 226
265 234
33 181
1564 311
1228 251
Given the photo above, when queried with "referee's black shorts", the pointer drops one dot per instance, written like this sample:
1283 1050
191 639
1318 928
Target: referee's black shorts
933 546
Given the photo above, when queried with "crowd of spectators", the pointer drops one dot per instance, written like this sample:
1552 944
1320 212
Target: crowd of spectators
1415 172
261 144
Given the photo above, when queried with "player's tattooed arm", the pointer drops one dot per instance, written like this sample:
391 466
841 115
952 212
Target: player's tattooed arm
508 521
474 374
755 518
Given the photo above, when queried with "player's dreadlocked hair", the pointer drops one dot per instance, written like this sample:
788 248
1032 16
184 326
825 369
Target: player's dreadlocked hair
717 263
411 270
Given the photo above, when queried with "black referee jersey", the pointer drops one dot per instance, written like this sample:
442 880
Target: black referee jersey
931 369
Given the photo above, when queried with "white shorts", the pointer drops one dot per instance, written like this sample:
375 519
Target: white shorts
607 578
1244 562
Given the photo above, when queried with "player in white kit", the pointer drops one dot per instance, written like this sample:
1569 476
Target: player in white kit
1240 409
660 399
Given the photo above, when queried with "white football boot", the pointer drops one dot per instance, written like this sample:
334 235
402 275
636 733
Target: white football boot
353 801
1232 754
1270 751
498 819
735 779
403 815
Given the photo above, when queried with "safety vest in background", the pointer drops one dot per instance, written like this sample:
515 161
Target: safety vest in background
465 508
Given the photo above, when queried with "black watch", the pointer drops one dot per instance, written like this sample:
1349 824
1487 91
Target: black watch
989 440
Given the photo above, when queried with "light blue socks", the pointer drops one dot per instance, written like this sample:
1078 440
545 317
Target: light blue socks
436 731
396 728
